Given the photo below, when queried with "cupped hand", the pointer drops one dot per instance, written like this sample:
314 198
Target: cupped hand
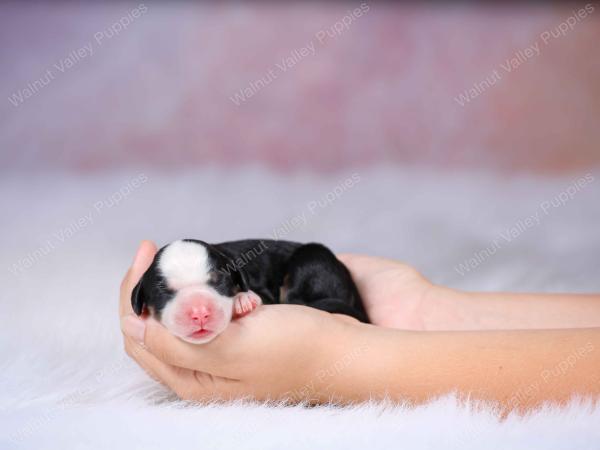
395 295
279 352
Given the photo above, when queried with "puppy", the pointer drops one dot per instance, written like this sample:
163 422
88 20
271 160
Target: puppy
195 288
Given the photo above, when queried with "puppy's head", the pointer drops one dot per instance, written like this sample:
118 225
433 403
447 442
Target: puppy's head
190 288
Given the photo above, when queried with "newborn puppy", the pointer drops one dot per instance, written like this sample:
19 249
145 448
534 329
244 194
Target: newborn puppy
195 288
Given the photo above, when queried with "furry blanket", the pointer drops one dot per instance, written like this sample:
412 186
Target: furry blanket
67 240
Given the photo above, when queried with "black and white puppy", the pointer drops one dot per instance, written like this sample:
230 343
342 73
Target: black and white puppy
195 288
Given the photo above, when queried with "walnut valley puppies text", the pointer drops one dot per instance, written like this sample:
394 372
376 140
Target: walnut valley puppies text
296 55
195 289
313 208
79 224
295 222
522 225
525 54
77 55
525 393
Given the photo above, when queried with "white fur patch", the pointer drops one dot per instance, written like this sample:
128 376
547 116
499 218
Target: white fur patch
184 264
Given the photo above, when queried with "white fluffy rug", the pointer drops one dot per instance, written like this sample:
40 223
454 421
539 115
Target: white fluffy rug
67 240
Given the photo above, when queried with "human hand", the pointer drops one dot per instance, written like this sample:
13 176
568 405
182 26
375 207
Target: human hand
290 352
394 294
277 352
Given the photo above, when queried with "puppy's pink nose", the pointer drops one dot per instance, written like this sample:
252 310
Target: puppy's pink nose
199 314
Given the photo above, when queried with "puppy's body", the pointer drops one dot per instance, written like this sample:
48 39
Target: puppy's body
264 262
195 288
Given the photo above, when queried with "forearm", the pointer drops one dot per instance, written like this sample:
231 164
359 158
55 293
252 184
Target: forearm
449 309
515 369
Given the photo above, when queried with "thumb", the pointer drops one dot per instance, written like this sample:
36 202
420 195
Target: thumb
143 259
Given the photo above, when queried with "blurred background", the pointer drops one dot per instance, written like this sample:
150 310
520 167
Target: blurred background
430 133
319 86
462 139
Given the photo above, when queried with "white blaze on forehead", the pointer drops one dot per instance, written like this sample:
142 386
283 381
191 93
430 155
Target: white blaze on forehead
184 264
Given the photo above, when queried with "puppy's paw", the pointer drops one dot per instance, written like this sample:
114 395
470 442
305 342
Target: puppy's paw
244 303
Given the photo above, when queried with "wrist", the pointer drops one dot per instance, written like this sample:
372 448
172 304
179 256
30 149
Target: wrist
359 365
337 356
443 309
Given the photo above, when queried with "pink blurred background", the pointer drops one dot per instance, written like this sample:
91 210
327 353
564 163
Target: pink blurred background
381 89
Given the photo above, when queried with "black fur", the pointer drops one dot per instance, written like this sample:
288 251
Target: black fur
309 273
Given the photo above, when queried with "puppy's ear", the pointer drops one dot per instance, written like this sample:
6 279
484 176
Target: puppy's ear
242 279
137 298
238 274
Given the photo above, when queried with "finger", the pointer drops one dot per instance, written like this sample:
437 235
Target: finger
209 357
210 388
363 265
354 262
170 376
187 384
173 351
346 258
143 259
345 318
